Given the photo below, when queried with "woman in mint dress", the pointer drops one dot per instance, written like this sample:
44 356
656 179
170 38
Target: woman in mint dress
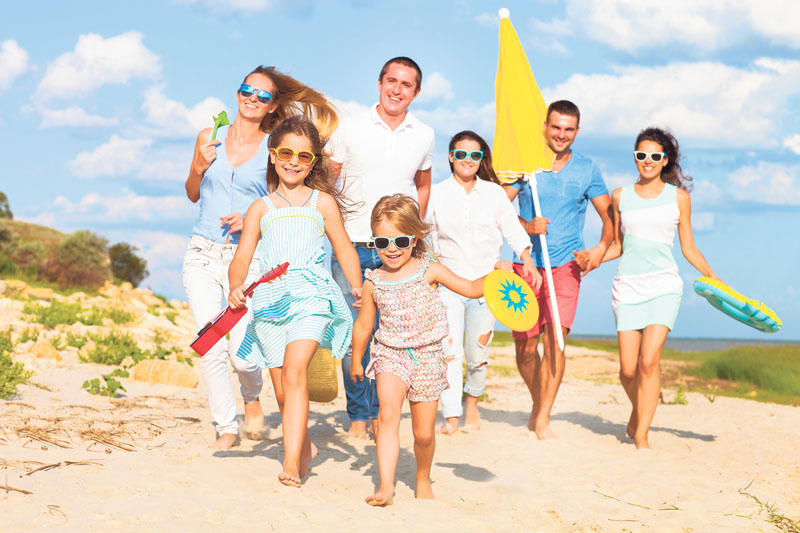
647 288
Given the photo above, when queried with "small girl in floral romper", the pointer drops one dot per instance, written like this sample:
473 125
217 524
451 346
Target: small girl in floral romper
407 355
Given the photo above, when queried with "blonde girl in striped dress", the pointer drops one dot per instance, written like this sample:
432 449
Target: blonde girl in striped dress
647 288
305 307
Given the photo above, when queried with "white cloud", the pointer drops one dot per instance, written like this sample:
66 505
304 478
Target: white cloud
766 182
121 157
247 6
435 87
449 121
702 222
118 157
703 100
174 119
793 143
13 62
72 116
97 61
490 20
632 25
127 207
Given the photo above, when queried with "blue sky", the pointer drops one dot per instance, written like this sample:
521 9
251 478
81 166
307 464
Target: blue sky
100 103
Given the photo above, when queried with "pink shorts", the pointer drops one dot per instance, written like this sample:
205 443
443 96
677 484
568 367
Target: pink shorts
567 281
425 375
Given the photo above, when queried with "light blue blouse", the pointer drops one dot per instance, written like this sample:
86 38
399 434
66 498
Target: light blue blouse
225 190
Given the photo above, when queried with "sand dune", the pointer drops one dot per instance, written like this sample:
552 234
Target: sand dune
500 478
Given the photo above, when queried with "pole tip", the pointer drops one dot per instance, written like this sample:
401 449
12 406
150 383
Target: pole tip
504 13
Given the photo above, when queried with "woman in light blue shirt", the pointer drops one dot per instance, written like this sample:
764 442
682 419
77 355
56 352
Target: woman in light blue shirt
226 176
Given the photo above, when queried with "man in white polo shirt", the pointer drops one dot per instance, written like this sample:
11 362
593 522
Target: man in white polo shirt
382 151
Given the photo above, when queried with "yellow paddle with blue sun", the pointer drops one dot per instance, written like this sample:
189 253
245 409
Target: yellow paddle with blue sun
510 300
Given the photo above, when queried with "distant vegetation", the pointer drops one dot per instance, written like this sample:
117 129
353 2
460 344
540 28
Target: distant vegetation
11 373
763 372
81 260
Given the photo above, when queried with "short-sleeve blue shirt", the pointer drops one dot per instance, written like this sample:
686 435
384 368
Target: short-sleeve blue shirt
563 196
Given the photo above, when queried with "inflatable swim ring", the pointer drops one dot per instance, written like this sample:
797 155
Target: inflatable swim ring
751 312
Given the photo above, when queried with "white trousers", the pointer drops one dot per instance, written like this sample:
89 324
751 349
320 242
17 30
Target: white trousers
205 278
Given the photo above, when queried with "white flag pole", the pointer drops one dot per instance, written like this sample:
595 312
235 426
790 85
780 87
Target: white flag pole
547 270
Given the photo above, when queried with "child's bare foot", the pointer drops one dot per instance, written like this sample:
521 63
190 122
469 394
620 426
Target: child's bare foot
305 461
382 498
358 428
253 420
226 441
424 489
545 432
289 477
449 427
630 431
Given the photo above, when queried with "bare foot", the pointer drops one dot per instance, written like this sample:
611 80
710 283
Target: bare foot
253 420
424 489
449 427
382 498
631 429
532 422
545 433
641 442
373 427
304 462
358 428
471 427
289 477
226 441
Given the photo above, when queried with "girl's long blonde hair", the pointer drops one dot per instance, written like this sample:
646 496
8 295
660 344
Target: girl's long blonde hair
403 212
294 98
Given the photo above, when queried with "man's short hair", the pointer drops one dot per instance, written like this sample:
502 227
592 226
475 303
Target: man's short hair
405 61
564 107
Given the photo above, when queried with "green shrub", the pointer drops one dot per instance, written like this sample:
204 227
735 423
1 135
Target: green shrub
5 209
112 348
11 373
7 266
775 369
29 334
80 260
126 265
108 388
59 312
76 341
170 315
119 316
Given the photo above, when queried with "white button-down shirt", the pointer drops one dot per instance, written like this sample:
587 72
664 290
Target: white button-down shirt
467 230
378 161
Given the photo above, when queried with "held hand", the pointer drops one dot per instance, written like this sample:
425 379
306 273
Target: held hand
236 297
235 222
504 264
537 226
207 154
356 371
357 296
589 259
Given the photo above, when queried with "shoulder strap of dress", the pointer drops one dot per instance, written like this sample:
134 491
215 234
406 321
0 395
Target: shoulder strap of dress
268 202
372 275
314 196
425 261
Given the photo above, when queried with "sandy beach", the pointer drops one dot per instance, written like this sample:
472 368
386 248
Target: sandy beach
154 471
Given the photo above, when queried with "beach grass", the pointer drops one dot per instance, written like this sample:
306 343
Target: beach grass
769 373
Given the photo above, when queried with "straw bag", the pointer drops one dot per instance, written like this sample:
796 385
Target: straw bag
323 385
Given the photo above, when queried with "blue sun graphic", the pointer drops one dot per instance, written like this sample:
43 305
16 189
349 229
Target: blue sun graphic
513 296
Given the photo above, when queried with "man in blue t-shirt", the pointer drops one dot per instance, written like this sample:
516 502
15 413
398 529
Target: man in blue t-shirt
564 194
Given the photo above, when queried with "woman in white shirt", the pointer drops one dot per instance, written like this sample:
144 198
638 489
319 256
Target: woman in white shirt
470 215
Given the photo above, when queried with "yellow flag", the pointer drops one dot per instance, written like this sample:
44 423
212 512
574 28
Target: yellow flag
519 146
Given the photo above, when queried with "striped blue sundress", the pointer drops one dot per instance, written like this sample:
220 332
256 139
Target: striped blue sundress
305 303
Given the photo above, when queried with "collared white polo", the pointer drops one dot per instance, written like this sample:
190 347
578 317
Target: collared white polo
467 230
376 162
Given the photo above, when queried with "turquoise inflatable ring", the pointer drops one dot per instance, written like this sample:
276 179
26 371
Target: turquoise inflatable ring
751 312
